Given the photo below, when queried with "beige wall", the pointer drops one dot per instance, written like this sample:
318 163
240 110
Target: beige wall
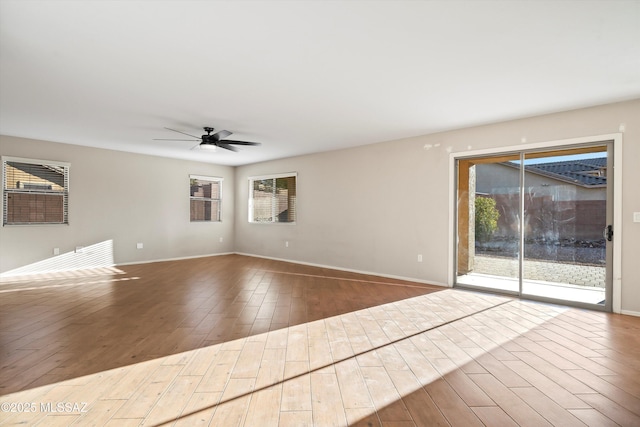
123 197
376 207
372 208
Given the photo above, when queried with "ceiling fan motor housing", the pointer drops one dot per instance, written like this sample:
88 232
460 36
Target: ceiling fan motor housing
208 138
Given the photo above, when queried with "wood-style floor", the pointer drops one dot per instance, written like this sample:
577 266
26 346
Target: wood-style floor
235 340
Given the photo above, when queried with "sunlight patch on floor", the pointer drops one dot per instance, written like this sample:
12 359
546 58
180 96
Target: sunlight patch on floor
236 378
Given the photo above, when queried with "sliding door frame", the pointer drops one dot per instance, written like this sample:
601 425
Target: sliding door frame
614 138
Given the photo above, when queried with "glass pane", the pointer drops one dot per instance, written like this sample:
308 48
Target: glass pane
203 188
285 199
565 215
205 199
34 177
488 223
274 200
263 200
200 210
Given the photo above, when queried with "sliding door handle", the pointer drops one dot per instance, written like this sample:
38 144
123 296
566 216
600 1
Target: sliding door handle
608 232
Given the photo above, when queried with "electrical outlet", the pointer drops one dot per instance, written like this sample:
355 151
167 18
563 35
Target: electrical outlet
56 251
419 257
139 246
286 244
636 217
221 239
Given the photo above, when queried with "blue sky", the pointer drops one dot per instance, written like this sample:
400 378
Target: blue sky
564 158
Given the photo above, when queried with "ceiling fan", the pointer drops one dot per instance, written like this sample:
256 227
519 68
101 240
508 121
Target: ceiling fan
212 140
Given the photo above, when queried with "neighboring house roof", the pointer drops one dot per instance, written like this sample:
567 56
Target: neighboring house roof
588 173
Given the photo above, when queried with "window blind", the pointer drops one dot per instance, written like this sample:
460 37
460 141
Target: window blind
35 192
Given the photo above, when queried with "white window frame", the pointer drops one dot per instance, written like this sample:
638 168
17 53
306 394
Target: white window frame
35 190
210 199
252 179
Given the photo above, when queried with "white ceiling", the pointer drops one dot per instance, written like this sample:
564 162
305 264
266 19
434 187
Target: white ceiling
302 77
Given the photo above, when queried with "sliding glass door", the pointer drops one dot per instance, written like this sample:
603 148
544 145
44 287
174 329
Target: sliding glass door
537 224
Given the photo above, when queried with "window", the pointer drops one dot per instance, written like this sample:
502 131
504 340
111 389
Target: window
272 198
34 192
205 198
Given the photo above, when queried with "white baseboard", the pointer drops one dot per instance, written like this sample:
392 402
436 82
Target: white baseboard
350 270
151 261
311 264
630 313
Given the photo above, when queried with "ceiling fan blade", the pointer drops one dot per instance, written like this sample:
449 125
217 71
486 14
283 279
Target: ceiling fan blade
227 146
184 133
165 139
230 141
221 134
